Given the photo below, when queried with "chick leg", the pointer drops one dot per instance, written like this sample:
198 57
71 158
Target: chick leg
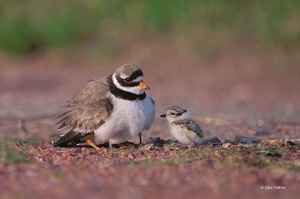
109 145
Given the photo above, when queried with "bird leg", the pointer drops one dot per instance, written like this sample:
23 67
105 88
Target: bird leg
92 144
140 136
109 145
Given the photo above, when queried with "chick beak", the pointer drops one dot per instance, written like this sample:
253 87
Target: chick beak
144 86
163 115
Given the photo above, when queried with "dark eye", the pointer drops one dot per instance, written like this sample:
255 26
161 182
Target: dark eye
128 79
172 113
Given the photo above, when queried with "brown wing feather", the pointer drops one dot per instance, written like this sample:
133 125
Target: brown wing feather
190 125
88 109
70 139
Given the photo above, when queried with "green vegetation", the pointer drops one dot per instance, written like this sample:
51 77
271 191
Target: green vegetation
13 150
236 157
32 25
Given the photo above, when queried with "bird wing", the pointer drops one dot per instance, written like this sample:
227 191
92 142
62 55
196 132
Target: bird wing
191 125
88 109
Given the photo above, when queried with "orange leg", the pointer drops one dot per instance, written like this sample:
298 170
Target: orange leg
123 146
91 143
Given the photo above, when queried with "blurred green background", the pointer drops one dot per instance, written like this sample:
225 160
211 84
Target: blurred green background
105 27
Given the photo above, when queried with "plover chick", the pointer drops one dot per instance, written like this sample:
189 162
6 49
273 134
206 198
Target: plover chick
182 127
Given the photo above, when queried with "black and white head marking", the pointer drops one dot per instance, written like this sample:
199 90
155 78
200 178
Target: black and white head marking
176 112
126 83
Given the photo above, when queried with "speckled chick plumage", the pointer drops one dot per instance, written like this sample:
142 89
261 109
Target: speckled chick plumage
182 127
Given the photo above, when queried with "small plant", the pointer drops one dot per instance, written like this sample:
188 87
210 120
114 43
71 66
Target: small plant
13 150
9 152
172 143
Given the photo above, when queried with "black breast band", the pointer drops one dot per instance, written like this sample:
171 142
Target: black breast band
123 94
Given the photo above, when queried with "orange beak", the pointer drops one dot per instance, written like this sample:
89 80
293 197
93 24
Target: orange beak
144 86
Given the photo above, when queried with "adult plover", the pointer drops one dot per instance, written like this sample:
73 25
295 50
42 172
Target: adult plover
112 109
182 127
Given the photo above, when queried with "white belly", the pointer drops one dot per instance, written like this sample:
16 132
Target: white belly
128 119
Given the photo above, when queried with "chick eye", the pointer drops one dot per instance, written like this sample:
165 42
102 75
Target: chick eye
128 79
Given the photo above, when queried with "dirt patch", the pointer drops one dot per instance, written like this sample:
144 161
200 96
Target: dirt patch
159 168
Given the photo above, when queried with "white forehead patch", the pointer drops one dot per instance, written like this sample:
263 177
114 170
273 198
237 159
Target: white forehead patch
123 76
